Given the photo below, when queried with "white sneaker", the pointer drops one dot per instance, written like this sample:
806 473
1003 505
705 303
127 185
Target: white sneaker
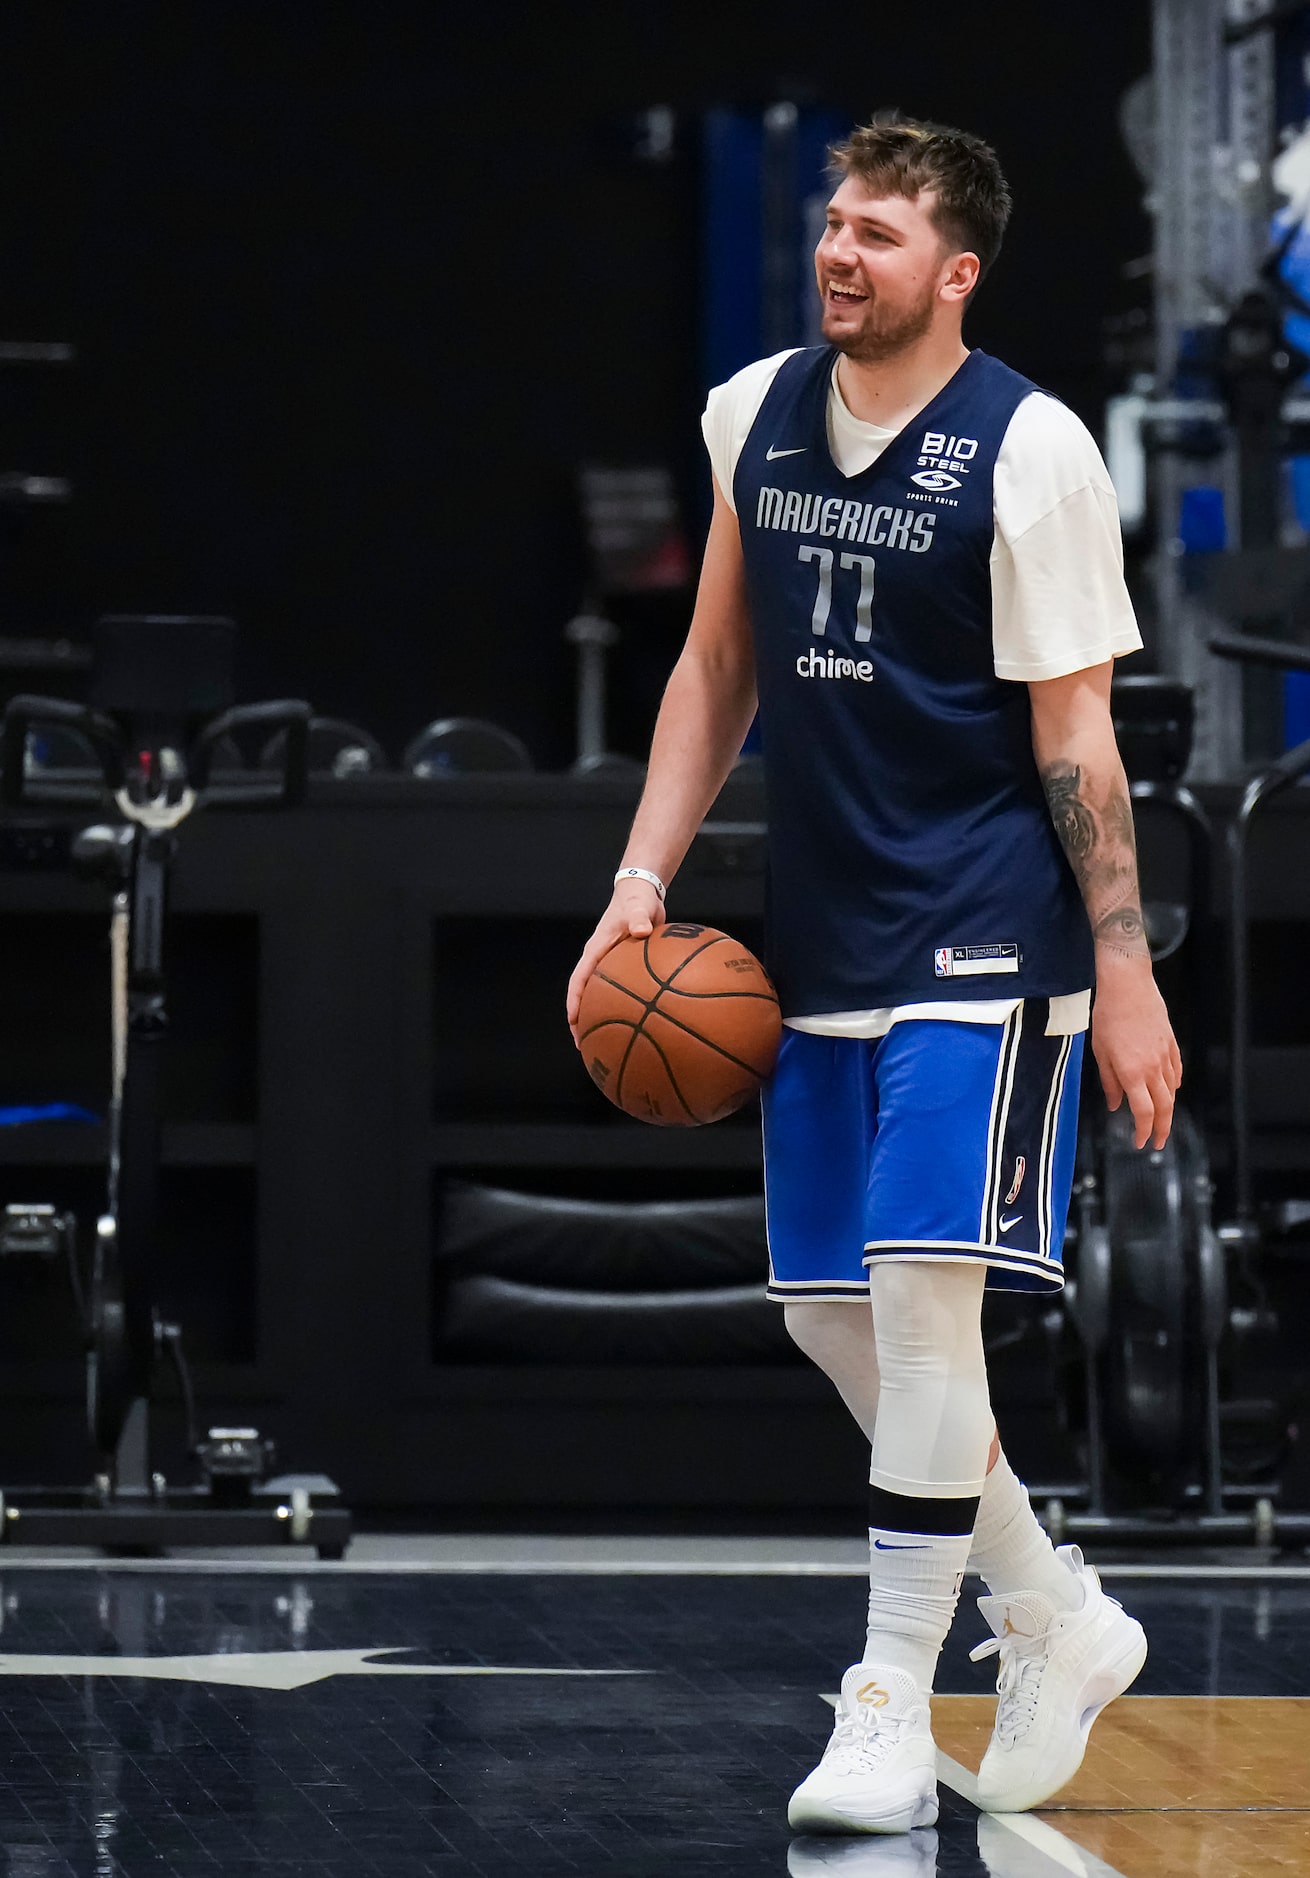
879 1770
1058 1671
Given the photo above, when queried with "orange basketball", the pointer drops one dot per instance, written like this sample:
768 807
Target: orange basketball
680 1028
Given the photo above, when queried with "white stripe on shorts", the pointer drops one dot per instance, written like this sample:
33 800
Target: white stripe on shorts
1002 1092
1049 1125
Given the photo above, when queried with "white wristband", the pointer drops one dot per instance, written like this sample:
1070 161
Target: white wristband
641 873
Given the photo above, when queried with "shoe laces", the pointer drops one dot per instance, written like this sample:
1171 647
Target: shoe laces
862 1739
1018 1684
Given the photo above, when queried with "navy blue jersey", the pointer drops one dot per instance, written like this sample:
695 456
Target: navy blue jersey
912 857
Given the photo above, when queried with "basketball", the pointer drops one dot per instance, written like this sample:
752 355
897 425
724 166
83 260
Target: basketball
680 1028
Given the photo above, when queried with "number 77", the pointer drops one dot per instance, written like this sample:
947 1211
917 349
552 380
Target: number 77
823 598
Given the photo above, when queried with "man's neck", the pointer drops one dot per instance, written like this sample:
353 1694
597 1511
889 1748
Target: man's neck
890 391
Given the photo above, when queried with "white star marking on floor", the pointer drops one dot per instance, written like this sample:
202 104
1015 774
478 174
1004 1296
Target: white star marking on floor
267 1669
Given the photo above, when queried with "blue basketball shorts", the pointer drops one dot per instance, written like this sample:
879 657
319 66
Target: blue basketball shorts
938 1140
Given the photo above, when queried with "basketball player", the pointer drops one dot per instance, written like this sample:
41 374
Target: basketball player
915 568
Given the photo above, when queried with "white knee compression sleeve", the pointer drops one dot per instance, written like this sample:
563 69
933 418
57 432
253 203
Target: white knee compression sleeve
934 1419
930 1434
839 1338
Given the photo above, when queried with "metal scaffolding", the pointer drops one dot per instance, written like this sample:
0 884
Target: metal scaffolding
1211 201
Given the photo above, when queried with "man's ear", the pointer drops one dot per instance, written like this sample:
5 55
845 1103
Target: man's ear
962 276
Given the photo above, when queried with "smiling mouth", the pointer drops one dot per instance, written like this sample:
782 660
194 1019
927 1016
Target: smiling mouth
839 295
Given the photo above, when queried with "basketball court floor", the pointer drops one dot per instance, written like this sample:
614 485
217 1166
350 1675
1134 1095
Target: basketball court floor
559 1707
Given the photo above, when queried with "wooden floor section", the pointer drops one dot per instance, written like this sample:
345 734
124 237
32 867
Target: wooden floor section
1201 1786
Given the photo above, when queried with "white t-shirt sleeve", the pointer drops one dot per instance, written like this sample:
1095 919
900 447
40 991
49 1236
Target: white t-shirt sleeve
1059 602
730 411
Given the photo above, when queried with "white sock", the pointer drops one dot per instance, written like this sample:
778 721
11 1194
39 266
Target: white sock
914 1585
1010 1550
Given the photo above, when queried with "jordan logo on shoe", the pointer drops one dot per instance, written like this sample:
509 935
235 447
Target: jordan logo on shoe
873 1695
1010 1630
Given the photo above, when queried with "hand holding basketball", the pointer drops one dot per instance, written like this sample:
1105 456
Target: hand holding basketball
634 911
679 1027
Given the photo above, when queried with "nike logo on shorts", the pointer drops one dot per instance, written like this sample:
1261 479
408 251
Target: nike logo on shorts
1013 1221
771 455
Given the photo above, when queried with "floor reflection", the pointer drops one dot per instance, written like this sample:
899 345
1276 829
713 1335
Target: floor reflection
911 1855
573 1764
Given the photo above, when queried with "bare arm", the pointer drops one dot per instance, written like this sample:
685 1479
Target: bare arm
1087 792
708 705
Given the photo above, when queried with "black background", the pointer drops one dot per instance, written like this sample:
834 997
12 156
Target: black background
356 286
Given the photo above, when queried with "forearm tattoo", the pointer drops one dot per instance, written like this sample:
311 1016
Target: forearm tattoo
1102 849
1072 818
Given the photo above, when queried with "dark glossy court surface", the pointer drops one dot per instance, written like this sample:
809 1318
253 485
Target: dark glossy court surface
197 1722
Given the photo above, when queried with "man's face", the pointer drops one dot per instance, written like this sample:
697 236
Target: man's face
881 266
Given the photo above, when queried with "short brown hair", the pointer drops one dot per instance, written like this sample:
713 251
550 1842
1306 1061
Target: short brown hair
899 156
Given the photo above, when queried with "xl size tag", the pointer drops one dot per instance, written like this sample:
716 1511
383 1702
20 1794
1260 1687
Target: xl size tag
974 961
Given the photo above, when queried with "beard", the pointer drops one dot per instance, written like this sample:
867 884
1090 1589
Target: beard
884 333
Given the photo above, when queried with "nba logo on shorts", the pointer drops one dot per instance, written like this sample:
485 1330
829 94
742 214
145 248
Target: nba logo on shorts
942 960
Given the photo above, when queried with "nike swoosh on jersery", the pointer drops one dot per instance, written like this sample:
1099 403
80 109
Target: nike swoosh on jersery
880 1545
1007 1223
771 455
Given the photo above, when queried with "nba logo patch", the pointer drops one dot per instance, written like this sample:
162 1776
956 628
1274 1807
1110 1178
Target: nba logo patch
942 961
